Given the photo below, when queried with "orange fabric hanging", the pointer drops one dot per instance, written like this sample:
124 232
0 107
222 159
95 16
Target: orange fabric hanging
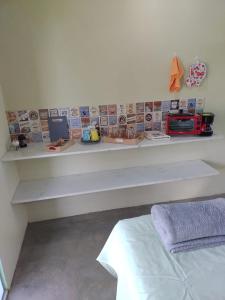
176 73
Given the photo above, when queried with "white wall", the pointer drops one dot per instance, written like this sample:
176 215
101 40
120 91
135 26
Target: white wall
13 219
72 52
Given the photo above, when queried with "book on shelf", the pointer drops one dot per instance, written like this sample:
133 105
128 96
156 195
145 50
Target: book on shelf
156 136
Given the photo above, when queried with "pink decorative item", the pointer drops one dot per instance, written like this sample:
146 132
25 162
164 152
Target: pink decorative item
197 73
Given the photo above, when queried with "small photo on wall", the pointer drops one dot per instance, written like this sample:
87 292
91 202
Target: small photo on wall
64 112
43 114
14 128
200 103
11 116
35 126
157 116
131 108
112 110
166 106
85 122
74 112
46 137
174 105
140 118
121 109
84 111
95 121
25 127
148 117
94 111
104 121
131 131
131 118
140 127
104 130
75 133
157 105
113 131
33 115
75 123
37 137
112 120
148 126
103 110
156 126
148 107
44 125
53 112
23 115
122 120
140 108
183 105
191 105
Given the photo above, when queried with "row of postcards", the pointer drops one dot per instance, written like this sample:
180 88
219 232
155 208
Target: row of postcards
140 116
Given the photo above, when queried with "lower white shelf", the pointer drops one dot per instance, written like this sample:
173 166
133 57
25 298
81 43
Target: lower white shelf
73 185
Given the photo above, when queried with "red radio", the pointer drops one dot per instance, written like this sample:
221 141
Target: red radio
183 123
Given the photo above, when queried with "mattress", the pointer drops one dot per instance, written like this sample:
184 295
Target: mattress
147 271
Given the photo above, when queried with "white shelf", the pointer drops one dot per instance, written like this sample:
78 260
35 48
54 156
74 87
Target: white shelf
36 151
73 185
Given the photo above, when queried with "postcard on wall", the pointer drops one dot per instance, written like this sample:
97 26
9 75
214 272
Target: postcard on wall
23 115
84 111
200 103
75 133
11 116
121 109
104 121
140 118
122 120
131 108
140 108
157 105
148 126
183 105
46 137
148 107
74 112
148 117
64 112
112 110
85 121
14 128
191 105
35 126
104 131
44 125
33 115
157 116
140 127
25 127
94 121
112 120
131 131
75 123
156 126
174 105
37 137
53 112
94 111
43 114
131 118
166 106
103 110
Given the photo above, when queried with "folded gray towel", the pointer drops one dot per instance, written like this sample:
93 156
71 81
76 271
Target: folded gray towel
191 225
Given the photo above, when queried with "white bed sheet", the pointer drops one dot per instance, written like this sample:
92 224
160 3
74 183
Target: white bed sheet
146 271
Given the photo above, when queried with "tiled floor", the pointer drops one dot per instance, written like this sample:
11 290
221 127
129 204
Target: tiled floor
58 258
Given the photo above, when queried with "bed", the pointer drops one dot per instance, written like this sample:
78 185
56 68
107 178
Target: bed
146 271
